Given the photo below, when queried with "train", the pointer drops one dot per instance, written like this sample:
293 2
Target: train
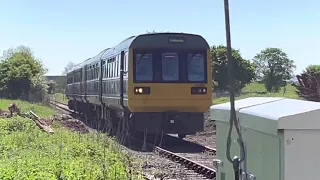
156 82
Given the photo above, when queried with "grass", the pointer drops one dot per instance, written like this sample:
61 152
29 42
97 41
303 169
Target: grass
29 153
258 90
40 110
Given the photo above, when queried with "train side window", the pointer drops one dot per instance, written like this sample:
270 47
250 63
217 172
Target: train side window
105 70
90 73
125 61
117 67
119 59
196 67
97 72
109 70
170 66
114 67
144 67
87 73
93 73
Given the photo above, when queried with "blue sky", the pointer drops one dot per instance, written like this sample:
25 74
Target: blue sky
62 31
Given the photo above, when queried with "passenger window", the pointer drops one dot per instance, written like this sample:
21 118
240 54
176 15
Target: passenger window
126 61
170 66
196 67
144 67
109 70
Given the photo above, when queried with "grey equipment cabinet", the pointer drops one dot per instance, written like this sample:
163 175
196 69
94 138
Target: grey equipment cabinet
282 138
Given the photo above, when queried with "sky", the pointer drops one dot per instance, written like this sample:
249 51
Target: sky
65 31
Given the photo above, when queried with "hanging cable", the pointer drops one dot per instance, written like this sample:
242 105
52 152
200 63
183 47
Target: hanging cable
233 117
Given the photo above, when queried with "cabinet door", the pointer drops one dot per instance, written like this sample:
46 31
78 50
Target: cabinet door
225 172
263 158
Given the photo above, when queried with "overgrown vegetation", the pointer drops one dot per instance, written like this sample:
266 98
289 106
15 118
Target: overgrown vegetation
22 74
29 153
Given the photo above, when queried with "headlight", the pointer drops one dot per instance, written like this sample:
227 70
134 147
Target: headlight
198 90
141 90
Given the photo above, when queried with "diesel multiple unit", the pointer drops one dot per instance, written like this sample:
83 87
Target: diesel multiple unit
160 82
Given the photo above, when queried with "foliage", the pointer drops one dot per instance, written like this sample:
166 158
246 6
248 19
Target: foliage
243 69
274 68
312 68
29 153
69 66
21 73
258 90
308 86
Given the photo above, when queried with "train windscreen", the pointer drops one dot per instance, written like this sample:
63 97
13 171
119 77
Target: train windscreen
170 66
196 67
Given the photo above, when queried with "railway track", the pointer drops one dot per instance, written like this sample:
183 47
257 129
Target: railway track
61 105
193 156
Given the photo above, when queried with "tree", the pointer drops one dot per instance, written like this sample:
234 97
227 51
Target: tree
21 73
274 68
312 68
308 86
69 66
244 70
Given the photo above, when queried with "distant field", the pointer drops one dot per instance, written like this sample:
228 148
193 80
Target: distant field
29 153
258 90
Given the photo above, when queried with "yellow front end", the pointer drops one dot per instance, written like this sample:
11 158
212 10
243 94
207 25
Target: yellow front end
170 96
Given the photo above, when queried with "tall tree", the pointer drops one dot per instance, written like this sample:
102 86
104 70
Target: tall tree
244 71
69 66
274 68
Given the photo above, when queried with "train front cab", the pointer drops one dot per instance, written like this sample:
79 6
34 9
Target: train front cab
169 85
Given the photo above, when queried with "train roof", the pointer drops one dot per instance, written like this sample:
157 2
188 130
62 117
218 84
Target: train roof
143 41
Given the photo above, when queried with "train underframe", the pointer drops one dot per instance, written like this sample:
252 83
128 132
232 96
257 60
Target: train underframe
106 118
